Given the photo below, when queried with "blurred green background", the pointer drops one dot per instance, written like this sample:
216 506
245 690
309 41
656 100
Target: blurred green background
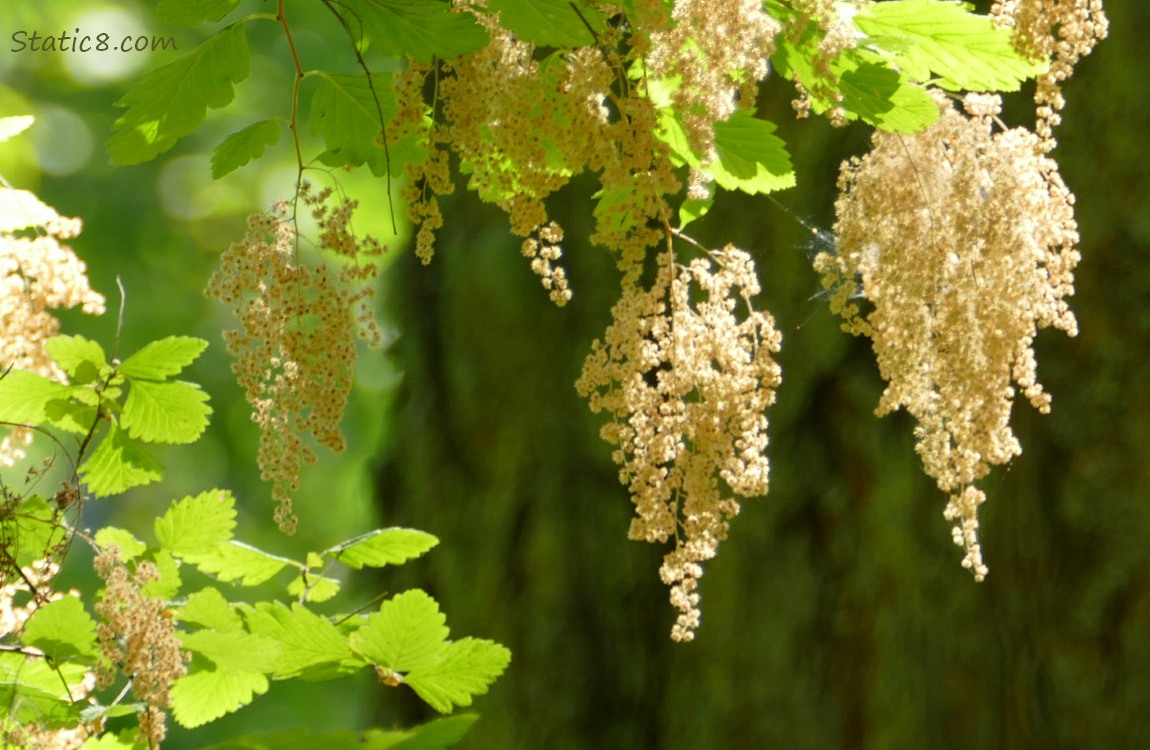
835 616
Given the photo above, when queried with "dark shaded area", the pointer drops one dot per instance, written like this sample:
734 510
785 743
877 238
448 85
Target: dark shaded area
836 615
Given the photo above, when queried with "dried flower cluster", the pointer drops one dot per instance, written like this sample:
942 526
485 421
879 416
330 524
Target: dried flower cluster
832 21
138 639
296 347
686 380
719 50
1059 31
38 274
964 241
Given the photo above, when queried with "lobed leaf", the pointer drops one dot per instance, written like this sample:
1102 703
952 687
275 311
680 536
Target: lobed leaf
63 630
197 524
24 397
81 358
236 561
170 102
308 640
244 146
422 29
345 112
549 23
163 358
234 650
408 633
940 38
200 697
165 412
208 608
118 464
751 157
382 547
464 669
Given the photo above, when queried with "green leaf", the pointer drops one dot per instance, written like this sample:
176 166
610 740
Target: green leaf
197 524
24 397
118 464
130 547
200 697
940 38
382 547
313 587
63 630
165 412
464 669
37 525
32 690
170 102
309 641
168 584
234 650
345 112
13 126
81 358
423 29
549 23
694 208
163 358
882 97
243 146
408 633
194 12
208 608
234 560
751 157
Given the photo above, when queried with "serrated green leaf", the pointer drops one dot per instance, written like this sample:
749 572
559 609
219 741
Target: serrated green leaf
38 527
163 358
76 418
170 102
34 691
197 524
309 641
200 697
119 464
194 12
963 50
550 23
168 584
408 633
345 112
882 96
130 547
464 669
382 547
423 29
751 157
244 146
234 561
313 587
234 650
24 397
165 412
693 209
208 608
81 358
63 630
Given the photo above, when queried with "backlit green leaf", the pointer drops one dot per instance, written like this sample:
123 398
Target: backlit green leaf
751 157
163 358
382 547
942 39
465 668
165 412
118 464
423 29
198 524
243 146
234 650
550 23
408 633
200 697
208 608
130 547
236 561
63 630
81 358
345 111
170 102
308 640
25 395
